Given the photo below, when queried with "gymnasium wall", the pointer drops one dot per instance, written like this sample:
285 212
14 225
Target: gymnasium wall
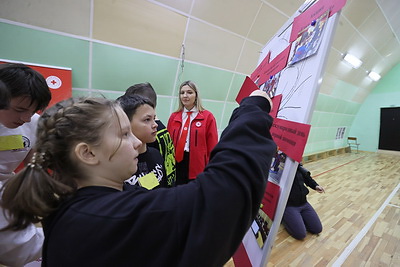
114 68
110 45
367 121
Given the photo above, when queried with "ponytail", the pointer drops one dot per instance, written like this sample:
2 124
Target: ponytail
49 178
31 195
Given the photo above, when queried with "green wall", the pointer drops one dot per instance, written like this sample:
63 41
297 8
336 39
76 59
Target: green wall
108 69
367 121
33 46
100 68
332 112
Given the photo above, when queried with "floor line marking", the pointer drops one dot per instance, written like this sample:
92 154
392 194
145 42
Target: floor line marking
393 205
338 166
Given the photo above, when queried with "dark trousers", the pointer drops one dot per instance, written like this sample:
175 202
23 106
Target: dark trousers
182 170
299 220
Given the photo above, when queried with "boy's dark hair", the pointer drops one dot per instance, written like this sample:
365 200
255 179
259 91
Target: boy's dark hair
21 80
4 96
143 89
131 102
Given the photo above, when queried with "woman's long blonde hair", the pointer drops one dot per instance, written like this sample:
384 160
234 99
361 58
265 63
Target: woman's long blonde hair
197 102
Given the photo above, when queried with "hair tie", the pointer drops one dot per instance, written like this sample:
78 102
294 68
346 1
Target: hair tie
37 160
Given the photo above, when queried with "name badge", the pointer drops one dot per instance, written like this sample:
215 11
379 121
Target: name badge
149 181
10 142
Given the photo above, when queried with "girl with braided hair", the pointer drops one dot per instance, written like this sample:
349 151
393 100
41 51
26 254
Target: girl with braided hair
74 186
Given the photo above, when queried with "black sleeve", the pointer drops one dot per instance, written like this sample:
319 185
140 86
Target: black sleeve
308 180
219 206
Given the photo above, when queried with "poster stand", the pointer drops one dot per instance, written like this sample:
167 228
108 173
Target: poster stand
290 70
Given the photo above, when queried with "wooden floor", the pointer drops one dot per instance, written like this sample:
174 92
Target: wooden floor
360 213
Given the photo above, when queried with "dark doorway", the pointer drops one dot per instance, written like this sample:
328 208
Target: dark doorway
389 134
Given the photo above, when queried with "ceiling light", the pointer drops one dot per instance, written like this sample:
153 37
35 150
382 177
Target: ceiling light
374 76
352 60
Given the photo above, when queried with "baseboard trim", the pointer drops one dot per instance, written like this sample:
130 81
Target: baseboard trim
390 152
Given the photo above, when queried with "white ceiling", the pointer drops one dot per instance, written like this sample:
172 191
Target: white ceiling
391 10
365 29
226 34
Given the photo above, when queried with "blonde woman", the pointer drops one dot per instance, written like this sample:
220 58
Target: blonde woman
194 132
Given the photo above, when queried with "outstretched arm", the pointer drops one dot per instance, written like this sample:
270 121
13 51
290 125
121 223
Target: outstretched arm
221 203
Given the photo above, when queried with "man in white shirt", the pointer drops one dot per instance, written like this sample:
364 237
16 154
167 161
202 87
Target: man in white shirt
23 92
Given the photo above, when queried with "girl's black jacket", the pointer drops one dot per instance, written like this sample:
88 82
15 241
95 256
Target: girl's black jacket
198 224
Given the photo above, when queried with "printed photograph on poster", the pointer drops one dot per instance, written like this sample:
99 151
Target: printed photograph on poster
278 163
264 219
271 84
260 227
308 40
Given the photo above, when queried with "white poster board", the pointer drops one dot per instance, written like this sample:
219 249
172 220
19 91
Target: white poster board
299 84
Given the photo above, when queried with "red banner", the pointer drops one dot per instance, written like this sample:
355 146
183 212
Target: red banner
303 20
241 258
266 68
291 137
59 80
276 102
270 199
247 88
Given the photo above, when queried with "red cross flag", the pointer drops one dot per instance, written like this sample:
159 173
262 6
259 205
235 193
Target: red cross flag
59 79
